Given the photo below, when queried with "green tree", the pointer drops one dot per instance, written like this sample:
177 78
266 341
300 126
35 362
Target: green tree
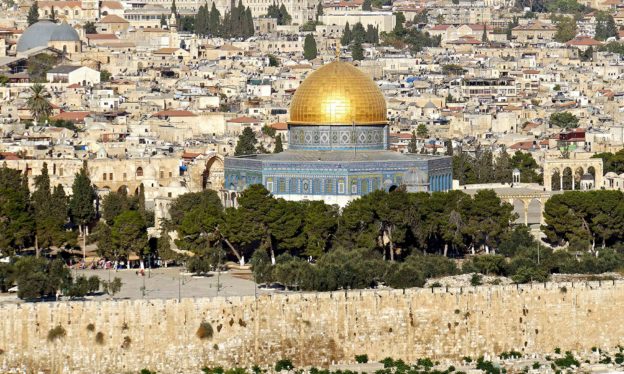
527 166
346 37
174 9
33 14
357 52
319 10
163 21
278 144
564 120
38 104
105 76
246 144
81 204
53 14
566 29
309 48
422 131
37 277
39 65
412 147
129 235
399 29
51 212
284 17
89 27
17 223
273 61
214 20
605 26
113 205
367 5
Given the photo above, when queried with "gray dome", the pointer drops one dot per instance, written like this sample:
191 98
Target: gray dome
64 33
36 35
40 33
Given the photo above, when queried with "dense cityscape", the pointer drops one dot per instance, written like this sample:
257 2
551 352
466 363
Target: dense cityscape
318 186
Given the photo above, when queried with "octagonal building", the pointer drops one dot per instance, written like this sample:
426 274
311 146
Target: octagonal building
337 147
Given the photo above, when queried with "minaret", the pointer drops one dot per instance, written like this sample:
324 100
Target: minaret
173 32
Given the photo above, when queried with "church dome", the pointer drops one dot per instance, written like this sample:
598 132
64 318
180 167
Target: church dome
338 94
36 35
64 33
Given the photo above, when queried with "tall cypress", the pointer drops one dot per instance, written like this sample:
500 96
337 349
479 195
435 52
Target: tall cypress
33 14
213 22
309 48
346 35
249 25
82 209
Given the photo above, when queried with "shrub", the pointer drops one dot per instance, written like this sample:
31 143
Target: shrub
93 284
56 333
204 331
476 279
361 359
283 364
99 338
558 350
467 359
147 371
536 365
567 361
91 327
126 342
425 362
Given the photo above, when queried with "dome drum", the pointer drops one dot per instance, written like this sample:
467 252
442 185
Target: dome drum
334 137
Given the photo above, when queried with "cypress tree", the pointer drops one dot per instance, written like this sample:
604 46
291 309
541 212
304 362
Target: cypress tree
213 22
346 35
174 9
371 34
367 5
53 14
357 52
41 204
309 48
201 20
33 14
278 144
249 25
284 17
81 206
319 10
412 147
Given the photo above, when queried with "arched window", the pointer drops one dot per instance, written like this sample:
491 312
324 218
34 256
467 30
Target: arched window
139 172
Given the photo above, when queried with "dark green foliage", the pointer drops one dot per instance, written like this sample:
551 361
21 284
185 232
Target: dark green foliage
273 61
361 359
485 264
309 48
487 366
112 287
484 168
567 361
81 203
612 162
246 144
17 221
367 5
38 277
346 35
476 280
278 144
510 354
564 120
283 364
605 26
280 13
39 65
33 14
566 28
89 28
357 51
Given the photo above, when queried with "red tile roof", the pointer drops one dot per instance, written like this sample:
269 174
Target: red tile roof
72 116
280 126
583 41
243 120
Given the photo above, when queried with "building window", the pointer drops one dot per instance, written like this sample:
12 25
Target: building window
364 186
139 172
104 176
170 174
270 186
282 185
341 186
110 176
354 189
329 186
124 176
162 174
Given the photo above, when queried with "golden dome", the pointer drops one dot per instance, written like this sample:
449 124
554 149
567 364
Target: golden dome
338 94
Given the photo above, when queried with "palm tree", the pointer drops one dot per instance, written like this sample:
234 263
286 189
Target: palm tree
38 104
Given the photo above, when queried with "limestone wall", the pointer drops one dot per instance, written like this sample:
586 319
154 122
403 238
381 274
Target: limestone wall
311 328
